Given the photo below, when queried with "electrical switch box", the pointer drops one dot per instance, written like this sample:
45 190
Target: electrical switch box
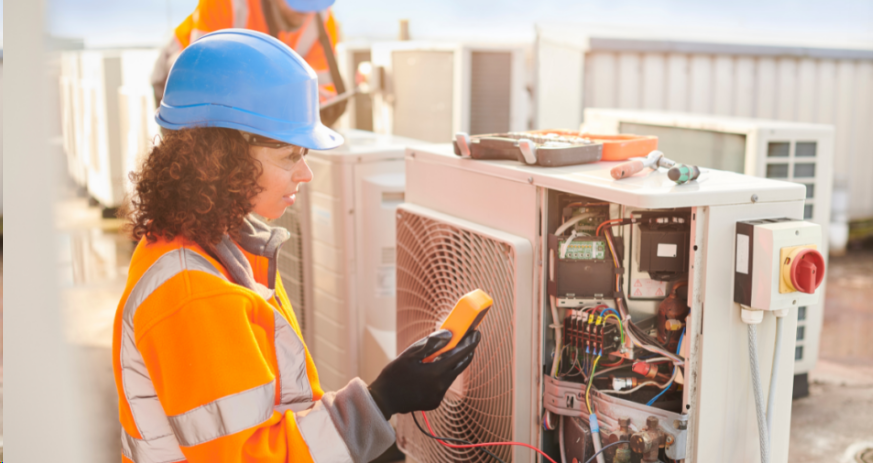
585 271
663 252
778 265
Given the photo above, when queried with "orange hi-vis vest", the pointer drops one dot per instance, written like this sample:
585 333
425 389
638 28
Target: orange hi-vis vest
213 15
210 365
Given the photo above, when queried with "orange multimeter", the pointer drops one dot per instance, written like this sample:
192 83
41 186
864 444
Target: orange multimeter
467 315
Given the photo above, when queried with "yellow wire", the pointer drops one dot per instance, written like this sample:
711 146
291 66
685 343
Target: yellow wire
620 327
611 250
591 380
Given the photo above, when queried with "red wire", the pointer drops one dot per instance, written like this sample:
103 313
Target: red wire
427 423
612 364
597 233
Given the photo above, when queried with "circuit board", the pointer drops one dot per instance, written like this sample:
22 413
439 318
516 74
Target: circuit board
585 249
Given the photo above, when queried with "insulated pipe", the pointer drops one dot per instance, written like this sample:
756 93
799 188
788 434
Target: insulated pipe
558 338
561 440
595 437
771 396
759 394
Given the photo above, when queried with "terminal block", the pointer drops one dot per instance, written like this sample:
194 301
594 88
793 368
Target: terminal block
590 332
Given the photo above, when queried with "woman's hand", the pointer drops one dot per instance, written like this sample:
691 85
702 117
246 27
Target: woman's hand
407 384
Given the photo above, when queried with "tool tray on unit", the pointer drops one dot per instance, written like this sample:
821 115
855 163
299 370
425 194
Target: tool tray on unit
533 148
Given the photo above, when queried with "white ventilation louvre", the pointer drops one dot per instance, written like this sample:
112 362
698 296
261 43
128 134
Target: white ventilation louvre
437 263
490 91
424 94
432 90
292 263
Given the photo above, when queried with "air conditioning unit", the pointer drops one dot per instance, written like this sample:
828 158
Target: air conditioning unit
725 73
72 116
295 261
339 267
359 110
493 225
117 108
793 151
431 90
136 110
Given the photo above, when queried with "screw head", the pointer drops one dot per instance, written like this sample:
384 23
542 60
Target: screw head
530 180
754 198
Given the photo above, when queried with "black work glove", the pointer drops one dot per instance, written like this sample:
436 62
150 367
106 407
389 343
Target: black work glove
407 384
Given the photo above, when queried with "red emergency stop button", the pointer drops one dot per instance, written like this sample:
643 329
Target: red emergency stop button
807 269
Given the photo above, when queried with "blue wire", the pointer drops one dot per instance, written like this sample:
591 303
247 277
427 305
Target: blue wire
681 337
608 309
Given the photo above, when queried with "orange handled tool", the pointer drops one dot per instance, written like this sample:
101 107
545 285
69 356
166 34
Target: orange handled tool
654 160
626 169
468 313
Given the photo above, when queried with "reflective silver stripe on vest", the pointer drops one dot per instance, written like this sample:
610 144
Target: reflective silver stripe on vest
162 450
322 438
240 13
324 77
225 416
308 37
298 407
158 443
166 267
291 358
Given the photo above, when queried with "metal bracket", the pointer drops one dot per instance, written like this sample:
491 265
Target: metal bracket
529 150
463 140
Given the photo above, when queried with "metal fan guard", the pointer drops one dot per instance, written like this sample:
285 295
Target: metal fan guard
437 263
290 263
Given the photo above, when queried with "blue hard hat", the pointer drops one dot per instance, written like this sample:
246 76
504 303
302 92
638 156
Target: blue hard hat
309 6
246 80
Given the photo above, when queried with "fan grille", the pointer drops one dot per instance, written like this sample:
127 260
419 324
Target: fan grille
290 263
437 263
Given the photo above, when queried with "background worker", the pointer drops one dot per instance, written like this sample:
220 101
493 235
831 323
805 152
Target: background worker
209 361
307 26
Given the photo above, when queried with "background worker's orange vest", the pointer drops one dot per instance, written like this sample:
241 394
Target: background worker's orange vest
213 15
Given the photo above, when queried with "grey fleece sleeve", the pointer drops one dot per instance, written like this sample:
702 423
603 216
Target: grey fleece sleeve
359 421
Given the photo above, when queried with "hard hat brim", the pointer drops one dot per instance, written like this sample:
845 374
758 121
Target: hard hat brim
315 137
309 6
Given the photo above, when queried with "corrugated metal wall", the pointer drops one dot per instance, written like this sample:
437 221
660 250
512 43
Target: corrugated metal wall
490 91
837 91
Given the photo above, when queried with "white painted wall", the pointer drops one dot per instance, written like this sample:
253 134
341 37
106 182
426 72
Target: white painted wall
1 135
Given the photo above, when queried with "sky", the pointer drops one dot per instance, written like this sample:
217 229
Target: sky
120 23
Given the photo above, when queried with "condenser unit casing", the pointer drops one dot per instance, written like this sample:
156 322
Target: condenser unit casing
467 223
339 266
359 109
107 113
793 151
431 90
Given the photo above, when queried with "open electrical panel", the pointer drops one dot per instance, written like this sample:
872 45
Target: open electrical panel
616 298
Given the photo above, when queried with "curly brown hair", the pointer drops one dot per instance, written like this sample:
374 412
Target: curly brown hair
196 183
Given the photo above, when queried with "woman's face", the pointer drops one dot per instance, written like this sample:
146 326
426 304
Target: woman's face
283 172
